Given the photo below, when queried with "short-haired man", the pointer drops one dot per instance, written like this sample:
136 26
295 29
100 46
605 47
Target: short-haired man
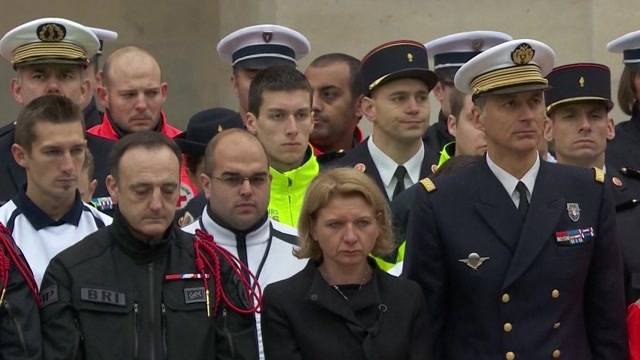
449 53
49 215
578 105
517 257
337 92
251 49
280 116
237 183
49 56
396 101
133 92
142 288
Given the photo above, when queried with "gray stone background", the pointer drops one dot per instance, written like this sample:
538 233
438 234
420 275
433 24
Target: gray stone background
182 34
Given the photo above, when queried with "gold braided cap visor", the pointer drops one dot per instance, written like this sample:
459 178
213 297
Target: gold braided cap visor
528 74
54 51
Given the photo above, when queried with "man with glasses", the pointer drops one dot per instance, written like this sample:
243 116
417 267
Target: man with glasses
237 183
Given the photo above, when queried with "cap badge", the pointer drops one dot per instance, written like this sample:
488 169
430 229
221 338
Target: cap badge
581 81
477 44
523 54
51 32
410 57
267 36
474 260
573 210
220 128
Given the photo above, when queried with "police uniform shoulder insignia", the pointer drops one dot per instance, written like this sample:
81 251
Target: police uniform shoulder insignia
428 184
598 174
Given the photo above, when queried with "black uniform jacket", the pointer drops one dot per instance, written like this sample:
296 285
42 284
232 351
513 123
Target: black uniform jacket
437 135
360 155
627 201
19 321
305 318
624 149
13 177
107 298
552 285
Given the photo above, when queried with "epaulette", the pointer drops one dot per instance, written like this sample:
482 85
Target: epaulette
598 174
102 203
428 184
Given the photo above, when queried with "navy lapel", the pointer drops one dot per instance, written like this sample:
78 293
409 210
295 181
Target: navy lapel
542 218
430 158
496 208
372 170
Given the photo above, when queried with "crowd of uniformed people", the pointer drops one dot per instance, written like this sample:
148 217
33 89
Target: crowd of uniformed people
506 229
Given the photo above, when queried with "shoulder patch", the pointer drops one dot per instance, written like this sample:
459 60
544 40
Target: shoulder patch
598 174
428 184
49 295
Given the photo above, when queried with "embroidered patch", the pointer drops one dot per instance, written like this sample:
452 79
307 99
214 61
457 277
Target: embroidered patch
194 295
49 295
103 296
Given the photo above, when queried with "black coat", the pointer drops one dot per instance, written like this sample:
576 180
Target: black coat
360 155
437 135
13 177
304 318
535 295
624 149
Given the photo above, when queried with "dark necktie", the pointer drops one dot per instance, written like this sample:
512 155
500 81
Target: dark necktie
399 175
523 206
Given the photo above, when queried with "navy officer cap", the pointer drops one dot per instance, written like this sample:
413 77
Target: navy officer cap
578 82
452 51
629 45
203 126
396 60
261 46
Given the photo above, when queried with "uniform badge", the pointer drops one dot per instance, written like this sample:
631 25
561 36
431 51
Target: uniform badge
360 167
574 237
616 181
523 54
194 295
186 219
581 81
410 57
573 210
220 128
51 32
267 36
434 168
474 260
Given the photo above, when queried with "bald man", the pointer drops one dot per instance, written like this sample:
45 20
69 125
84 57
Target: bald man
133 93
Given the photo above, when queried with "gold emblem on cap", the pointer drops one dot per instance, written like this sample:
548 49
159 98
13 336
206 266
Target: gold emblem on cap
523 54
220 128
410 57
51 32
581 81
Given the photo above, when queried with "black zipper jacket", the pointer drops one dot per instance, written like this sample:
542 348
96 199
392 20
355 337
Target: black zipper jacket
107 298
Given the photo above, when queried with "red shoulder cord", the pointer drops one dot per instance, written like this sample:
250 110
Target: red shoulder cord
209 256
9 254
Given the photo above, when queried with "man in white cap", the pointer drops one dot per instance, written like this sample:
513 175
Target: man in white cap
49 56
517 257
251 49
449 53
92 114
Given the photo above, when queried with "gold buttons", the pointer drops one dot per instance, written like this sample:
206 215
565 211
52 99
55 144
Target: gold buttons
556 325
507 327
555 293
505 298
510 355
556 354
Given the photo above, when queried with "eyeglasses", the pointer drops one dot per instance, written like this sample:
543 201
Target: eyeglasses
256 180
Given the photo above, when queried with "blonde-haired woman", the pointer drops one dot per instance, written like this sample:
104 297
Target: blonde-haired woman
342 306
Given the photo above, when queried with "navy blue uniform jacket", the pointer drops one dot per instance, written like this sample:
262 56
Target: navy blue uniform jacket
534 296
